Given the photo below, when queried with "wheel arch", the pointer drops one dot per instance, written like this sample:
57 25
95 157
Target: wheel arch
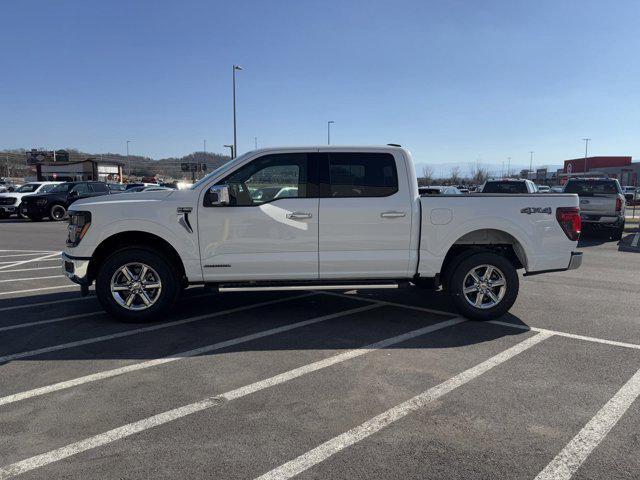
483 240
135 239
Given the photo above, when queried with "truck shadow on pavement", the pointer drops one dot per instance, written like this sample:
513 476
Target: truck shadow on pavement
180 332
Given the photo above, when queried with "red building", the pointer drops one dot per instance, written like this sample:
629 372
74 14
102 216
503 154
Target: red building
581 165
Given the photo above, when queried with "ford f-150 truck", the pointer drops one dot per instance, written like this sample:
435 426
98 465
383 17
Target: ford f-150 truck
316 217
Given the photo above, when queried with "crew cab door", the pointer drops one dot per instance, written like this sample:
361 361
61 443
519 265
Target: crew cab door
269 230
365 215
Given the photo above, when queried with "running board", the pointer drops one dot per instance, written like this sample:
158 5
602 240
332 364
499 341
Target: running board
260 286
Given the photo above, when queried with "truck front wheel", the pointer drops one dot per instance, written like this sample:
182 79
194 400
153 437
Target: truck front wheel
136 285
484 286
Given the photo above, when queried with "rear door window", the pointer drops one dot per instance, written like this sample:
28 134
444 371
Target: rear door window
505 187
361 175
592 187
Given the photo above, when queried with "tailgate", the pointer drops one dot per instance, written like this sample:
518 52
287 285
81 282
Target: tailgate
598 204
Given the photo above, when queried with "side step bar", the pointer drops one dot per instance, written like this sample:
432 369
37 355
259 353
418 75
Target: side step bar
265 288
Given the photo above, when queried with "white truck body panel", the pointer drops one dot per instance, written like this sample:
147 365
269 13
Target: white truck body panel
343 237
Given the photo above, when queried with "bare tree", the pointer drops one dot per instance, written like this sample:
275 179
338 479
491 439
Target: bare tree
427 175
479 174
455 175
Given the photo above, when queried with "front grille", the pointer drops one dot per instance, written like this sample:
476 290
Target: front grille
7 201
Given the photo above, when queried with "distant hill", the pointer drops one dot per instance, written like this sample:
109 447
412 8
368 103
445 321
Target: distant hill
140 166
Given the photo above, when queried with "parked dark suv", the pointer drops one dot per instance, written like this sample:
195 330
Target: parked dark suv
54 204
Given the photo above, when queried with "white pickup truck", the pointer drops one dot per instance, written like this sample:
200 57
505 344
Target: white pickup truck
316 217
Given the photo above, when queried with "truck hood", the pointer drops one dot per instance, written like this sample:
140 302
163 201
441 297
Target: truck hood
123 198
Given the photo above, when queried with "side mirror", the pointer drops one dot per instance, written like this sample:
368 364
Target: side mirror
218 196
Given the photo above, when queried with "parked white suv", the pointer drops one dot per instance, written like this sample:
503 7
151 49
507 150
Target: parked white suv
350 215
10 202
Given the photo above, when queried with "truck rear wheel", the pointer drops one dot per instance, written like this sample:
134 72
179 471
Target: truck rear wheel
136 285
484 286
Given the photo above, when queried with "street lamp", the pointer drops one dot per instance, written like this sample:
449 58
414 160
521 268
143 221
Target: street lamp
235 139
128 159
531 163
508 167
586 150
230 147
329 131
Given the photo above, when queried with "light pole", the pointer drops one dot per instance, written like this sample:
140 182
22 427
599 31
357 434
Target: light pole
255 143
128 159
586 151
509 167
230 147
530 162
329 131
235 139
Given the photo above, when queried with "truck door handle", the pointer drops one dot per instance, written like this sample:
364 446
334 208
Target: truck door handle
392 214
298 215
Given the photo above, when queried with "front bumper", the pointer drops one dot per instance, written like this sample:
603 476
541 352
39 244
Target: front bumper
34 210
76 269
8 209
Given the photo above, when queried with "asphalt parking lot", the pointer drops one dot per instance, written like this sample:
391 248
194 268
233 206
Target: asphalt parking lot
349 384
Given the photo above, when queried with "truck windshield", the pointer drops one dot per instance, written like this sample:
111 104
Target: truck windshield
592 187
221 169
505 187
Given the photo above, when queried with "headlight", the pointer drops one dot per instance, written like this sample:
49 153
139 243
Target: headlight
41 202
79 223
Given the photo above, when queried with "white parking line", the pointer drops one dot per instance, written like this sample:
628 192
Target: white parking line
38 259
135 331
567 462
585 338
36 290
30 269
368 428
34 254
568 335
170 415
31 278
72 317
172 358
47 260
30 251
45 304
50 320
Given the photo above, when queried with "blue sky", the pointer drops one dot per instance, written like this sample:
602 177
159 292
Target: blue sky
454 81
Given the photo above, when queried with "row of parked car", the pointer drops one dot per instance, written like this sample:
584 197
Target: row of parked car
39 200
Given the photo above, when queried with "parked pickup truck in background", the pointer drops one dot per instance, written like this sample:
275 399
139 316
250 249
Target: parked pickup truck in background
602 203
348 215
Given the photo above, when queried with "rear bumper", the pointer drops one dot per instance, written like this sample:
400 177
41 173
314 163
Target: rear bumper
574 262
76 269
602 220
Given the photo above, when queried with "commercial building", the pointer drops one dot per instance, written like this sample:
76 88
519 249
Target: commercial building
49 165
620 167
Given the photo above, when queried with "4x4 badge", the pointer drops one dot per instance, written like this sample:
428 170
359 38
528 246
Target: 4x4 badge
530 210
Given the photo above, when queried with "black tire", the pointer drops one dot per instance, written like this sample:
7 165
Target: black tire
165 271
618 233
459 276
57 212
20 214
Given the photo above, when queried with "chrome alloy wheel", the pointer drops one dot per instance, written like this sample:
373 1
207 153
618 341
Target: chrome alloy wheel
484 286
136 286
